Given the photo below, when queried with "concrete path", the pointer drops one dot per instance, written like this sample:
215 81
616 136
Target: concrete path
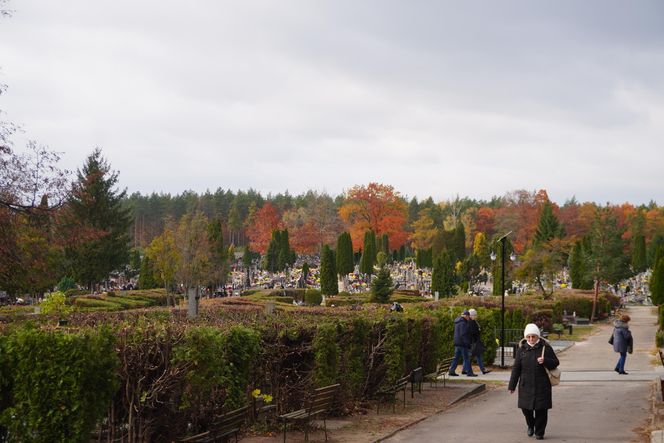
592 403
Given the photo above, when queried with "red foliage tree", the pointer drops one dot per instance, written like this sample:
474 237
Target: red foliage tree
264 221
378 207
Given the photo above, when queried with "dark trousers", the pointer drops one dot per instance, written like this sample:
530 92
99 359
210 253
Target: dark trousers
536 418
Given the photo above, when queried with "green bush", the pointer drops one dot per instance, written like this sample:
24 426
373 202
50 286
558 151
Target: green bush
326 352
61 383
296 294
55 304
659 339
313 297
89 302
65 284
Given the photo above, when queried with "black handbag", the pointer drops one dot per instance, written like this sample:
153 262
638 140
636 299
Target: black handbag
611 340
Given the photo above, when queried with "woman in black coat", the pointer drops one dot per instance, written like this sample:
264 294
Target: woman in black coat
529 374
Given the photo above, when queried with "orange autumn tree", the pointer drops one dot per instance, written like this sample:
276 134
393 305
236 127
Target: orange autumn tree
263 222
377 207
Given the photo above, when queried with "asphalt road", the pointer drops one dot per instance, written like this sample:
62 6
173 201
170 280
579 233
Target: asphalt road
591 404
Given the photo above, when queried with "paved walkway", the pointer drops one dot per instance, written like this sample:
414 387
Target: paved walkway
592 403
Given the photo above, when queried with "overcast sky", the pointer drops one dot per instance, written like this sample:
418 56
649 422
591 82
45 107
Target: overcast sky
474 98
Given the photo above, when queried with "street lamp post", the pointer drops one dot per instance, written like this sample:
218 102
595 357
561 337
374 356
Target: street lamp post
502 241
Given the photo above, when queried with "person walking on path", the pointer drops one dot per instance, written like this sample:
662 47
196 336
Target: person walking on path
462 344
532 356
476 345
622 342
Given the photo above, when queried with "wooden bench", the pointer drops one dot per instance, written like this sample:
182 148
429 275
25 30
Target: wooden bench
390 392
318 404
442 370
222 427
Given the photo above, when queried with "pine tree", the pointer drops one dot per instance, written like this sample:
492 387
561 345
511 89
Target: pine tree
382 286
442 278
328 274
607 261
548 227
95 208
345 254
402 253
639 254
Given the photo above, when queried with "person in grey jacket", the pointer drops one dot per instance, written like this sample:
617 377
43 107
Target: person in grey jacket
528 373
622 342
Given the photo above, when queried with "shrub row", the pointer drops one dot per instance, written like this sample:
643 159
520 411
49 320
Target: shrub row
158 377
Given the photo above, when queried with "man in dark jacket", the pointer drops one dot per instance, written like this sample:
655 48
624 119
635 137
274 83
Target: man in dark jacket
462 342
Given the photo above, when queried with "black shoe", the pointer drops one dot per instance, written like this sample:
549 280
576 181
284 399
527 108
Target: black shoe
486 371
539 437
471 375
623 373
453 374
463 372
616 369
530 432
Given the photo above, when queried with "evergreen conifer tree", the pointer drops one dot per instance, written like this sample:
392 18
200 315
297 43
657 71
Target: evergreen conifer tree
95 207
442 278
368 253
548 227
328 274
345 263
148 278
247 257
657 279
218 253
639 263
382 286
459 242
285 256
577 266
272 255
656 243
385 243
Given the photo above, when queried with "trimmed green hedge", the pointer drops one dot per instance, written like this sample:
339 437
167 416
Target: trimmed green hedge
60 383
166 374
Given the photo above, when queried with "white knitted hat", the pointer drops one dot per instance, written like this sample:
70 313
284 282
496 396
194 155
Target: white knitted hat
473 313
531 329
